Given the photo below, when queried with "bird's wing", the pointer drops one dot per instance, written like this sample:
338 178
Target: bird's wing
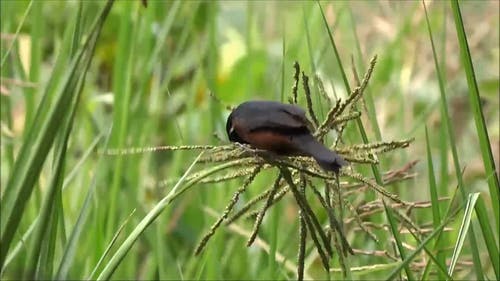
287 119
264 115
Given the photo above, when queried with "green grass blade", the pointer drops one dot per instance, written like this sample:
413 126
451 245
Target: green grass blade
69 251
484 143
48 203
46 263
436 214
76 168
20 245
447 123
432 257
14 40
213 58
335 51
163 36
283 58
35 61
367 95
305 19
110 245
375 168
421 246
38 142
488 235
475 102
121 112
441 269
463 231
111 266
55 185
439 238
397 238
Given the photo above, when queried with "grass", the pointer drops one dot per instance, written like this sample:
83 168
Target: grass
101 75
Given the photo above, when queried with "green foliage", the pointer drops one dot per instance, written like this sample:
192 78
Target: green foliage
103 103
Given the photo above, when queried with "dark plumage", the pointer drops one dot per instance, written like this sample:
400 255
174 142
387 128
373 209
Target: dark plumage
281 128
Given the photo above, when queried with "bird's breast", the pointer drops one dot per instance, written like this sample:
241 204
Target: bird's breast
272 141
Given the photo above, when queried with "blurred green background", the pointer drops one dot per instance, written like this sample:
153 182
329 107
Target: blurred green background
150 83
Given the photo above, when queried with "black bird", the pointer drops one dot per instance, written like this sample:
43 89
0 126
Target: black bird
280 128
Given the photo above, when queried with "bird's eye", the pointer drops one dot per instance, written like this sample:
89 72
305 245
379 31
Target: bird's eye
231 130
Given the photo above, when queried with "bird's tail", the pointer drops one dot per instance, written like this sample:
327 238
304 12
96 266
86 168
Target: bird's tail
327 159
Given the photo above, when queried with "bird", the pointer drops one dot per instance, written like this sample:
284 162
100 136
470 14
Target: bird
280 128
